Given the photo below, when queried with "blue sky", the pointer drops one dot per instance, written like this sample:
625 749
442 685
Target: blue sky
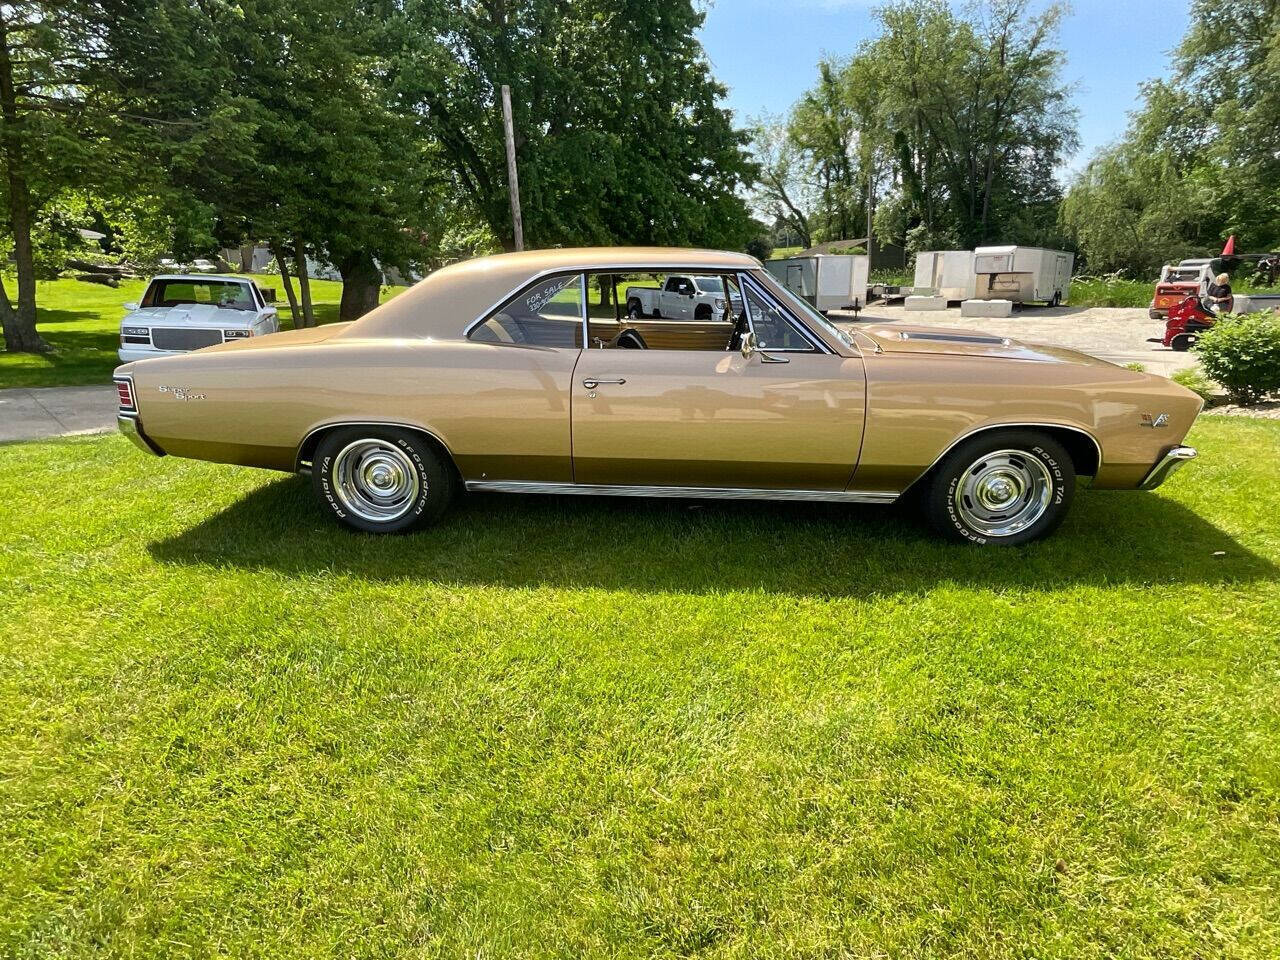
766 52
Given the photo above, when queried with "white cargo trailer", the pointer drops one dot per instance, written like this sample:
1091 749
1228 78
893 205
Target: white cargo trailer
828 281
945 273
1022 274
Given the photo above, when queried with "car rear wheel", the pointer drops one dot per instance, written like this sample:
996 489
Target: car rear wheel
381 479
1002 488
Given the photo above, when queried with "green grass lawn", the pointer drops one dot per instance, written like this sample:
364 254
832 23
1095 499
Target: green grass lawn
81 321
566 727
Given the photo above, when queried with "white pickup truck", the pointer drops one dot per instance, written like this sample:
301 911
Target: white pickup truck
681 297
182 312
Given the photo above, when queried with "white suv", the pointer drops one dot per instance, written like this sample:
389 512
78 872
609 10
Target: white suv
181 312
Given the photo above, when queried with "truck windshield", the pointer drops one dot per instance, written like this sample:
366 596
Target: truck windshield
194 290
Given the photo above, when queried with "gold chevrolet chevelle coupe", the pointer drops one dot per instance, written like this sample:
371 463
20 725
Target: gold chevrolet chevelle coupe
658 373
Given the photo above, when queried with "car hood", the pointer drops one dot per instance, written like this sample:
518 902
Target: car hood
953 341
192 315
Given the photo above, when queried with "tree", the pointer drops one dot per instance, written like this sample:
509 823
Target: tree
627 145
784 189
39 104
1200 159
953 125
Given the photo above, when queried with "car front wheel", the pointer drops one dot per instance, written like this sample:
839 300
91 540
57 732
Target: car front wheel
381 479
1002 488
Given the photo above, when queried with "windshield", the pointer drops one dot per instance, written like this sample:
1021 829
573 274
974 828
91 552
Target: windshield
811 315
180 292
710 284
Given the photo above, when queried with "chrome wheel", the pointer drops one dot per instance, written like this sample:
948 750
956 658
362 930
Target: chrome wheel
1003 492
375 480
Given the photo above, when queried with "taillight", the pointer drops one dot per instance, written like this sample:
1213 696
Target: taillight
124 391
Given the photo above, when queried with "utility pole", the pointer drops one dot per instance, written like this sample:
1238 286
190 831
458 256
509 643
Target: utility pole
513 181
871 243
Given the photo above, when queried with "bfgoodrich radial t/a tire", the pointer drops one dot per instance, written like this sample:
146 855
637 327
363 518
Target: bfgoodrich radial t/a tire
1001 488
381 479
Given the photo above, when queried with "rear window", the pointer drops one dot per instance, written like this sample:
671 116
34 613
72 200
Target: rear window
548 314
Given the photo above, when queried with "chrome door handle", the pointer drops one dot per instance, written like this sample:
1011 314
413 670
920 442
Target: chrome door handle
592 384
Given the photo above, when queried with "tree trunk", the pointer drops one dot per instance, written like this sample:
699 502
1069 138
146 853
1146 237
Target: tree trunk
246 258
361 283
304 283
277 251
19 325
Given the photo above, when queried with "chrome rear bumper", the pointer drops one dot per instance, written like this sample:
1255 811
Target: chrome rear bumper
1171 461
128 425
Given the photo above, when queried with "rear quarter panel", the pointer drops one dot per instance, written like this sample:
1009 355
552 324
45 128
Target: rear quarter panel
501 410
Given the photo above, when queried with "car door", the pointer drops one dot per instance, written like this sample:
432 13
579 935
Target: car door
714 418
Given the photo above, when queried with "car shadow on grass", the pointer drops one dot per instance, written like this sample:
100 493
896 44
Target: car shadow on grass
809 549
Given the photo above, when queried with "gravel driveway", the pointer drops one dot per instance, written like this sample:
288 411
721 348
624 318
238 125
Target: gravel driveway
1118 334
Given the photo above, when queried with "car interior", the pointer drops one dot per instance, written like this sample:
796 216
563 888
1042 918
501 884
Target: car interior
641 311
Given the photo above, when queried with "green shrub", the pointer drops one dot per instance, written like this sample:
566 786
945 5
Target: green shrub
1109 291
1136 367
1194 380
1243 354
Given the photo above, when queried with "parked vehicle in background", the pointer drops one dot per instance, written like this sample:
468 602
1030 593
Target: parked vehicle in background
180 312
680 297
1187 319
1176 283
826 281
1191 278
1022 274
498 375
945 273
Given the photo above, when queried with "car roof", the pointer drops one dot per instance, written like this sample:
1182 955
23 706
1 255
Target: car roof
446 302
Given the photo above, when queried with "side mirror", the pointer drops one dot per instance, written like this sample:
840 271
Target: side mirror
131 307
751 347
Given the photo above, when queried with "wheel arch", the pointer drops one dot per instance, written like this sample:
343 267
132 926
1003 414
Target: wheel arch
1082 446
307 448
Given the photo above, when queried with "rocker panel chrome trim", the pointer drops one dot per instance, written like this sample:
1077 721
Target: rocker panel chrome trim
708 493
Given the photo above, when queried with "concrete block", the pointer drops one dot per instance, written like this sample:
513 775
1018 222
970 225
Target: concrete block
925 303
986 308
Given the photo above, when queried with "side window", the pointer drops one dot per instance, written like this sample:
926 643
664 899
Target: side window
773 329
548 314
631 312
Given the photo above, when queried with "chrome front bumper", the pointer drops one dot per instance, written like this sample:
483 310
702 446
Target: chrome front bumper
1171 461
128 425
